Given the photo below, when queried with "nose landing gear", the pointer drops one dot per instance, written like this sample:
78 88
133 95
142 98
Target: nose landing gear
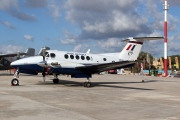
15 81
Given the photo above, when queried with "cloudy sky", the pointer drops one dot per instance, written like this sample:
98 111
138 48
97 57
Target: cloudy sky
79 25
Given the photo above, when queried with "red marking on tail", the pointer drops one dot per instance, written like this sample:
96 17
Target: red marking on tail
129 47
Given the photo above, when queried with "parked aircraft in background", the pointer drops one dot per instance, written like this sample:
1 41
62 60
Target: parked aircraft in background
6 59
80 65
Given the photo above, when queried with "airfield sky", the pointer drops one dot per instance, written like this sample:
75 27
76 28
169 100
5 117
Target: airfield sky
79 25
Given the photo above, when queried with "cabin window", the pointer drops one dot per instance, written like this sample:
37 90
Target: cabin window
82 57
72 56
104 59
66 56
52 55
87 57
77 57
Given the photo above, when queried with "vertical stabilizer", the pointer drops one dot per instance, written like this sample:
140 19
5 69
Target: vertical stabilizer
132 49
30 52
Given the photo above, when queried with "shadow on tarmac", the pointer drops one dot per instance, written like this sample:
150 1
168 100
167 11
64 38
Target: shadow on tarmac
98 84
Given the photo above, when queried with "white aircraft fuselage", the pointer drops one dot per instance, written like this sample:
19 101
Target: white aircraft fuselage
82 65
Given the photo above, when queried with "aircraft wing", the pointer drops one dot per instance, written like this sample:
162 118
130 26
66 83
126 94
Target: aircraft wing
11 55
105 66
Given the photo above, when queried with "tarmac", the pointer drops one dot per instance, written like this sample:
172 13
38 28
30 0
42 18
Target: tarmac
112 97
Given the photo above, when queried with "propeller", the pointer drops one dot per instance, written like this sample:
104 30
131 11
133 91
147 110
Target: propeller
45 63
18 55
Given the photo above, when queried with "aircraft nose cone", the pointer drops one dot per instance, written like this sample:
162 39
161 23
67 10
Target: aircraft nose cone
12 64
15 63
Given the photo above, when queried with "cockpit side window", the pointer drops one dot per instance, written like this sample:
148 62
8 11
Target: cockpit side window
52 55
47 55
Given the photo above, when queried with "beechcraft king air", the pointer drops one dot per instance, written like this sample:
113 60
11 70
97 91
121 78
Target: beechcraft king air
80 65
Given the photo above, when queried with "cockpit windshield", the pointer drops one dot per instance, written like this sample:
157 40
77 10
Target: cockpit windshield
47 54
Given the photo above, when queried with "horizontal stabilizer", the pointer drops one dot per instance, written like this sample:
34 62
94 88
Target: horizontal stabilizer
142 39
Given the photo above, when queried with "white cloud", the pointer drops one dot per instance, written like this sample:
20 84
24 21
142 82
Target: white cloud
10 49
174 2
68 41
36 3
29 37
174 44
117 18
7 4
77 48
81 48
12 7
55 8
111 45
7 24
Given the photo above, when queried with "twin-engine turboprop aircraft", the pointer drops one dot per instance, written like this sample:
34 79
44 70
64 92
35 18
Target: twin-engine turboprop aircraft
80 65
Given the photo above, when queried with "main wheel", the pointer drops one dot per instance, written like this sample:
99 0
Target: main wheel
15 82
55 81
85 84
88 84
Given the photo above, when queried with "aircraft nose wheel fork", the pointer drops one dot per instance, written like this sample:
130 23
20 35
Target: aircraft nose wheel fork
14 82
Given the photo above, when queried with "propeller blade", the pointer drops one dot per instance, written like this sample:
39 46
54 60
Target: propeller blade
44 53
44 63
18 55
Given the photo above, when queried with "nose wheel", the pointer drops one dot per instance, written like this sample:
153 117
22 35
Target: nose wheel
14 82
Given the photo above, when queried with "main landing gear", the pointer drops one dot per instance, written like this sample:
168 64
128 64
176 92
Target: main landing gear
55 80
87 83
15 81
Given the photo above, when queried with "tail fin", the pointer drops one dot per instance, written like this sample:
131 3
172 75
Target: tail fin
132 49
30 52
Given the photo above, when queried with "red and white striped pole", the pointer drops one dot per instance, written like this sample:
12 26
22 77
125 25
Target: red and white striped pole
166 7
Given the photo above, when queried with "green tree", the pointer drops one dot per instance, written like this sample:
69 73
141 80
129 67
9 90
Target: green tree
142 58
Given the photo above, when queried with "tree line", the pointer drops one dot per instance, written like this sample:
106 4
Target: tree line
147 61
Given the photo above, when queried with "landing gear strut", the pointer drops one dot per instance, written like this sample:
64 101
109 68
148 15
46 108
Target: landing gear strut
87 83
15 81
